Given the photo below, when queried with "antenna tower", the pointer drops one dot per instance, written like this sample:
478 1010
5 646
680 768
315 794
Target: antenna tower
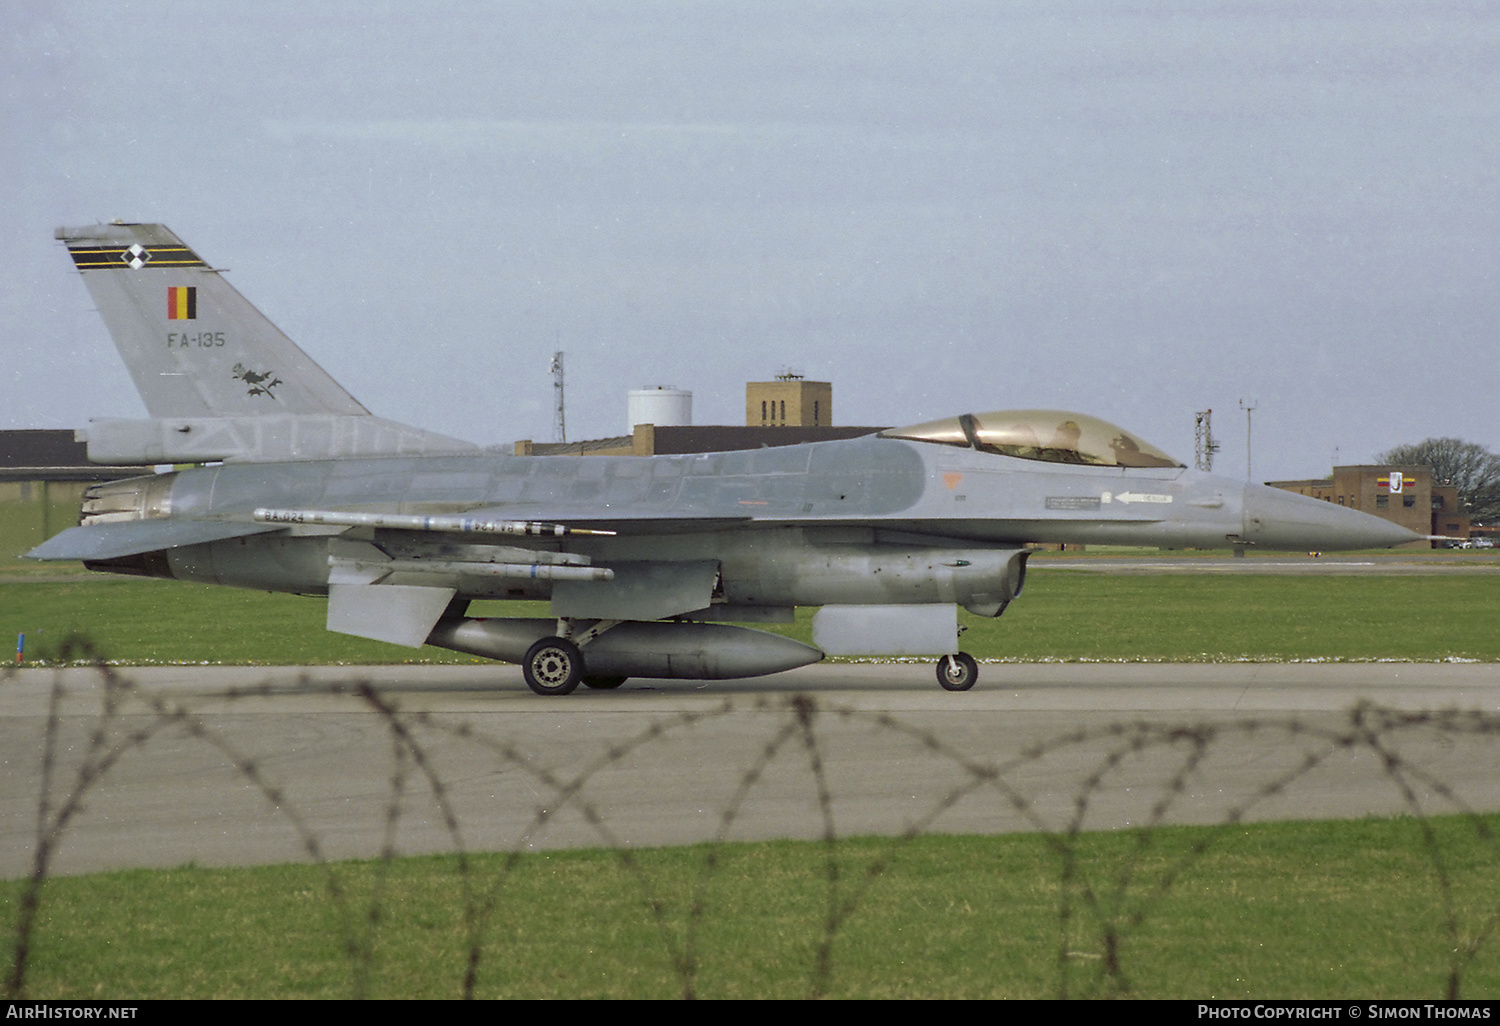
1204 445
1249 408
559 416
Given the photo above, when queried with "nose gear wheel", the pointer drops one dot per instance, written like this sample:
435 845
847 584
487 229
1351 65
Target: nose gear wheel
957 672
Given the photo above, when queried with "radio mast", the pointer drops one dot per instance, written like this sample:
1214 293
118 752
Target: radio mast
1204 445
559 416
1249 408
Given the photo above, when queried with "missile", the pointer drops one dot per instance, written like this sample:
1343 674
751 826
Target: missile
410 522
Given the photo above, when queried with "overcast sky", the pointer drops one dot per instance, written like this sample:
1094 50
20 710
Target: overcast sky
1137 210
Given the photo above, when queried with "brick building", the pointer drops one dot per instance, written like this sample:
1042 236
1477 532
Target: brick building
1402 495
787 411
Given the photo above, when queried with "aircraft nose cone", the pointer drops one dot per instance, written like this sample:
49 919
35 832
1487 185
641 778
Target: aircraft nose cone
1277 519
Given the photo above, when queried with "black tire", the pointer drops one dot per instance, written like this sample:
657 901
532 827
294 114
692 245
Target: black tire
604 683
957 672
553 666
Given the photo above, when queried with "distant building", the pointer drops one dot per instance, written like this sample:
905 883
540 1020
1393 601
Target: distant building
46 471
789 401
787 411
39 458
1403 495
650 440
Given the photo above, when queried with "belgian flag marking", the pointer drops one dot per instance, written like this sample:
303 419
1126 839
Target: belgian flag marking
182 303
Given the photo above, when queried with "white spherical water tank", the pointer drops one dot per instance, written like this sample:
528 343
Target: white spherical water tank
662 405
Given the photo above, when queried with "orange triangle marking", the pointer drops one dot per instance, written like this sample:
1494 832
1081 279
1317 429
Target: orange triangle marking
952 480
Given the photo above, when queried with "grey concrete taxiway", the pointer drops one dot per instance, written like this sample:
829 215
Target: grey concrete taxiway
234 766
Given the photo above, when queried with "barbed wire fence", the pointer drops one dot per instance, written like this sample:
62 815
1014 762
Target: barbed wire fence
1097 912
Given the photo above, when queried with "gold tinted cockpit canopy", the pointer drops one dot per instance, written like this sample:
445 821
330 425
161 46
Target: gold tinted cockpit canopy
1053 436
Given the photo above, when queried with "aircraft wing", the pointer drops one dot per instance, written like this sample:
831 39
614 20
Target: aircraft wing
132 537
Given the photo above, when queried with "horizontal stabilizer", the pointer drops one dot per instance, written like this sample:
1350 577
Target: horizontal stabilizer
132 537
264 439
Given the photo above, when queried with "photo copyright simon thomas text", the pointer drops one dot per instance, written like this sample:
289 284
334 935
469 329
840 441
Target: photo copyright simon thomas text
1289 1010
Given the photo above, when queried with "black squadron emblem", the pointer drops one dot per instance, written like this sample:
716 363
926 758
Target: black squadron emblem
260 384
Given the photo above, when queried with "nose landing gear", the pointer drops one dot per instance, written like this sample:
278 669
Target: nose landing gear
957 672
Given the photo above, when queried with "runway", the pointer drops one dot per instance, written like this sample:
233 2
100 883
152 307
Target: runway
239 765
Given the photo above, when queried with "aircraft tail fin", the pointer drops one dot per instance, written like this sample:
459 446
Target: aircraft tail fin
213 371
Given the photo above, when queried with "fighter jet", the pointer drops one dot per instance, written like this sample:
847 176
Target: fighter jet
650 564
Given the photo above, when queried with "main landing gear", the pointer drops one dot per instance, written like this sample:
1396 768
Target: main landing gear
554 666
957 672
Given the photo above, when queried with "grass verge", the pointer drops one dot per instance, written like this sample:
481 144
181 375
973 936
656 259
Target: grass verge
1061 616
1358 909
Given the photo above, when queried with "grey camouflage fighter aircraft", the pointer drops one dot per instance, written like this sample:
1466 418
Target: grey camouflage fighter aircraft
649 563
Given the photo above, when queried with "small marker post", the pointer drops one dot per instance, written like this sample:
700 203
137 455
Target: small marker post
20 648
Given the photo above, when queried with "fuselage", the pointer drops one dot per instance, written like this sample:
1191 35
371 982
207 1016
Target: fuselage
861 520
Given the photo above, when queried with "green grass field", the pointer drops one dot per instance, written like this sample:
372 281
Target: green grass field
1293 910
1062 615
